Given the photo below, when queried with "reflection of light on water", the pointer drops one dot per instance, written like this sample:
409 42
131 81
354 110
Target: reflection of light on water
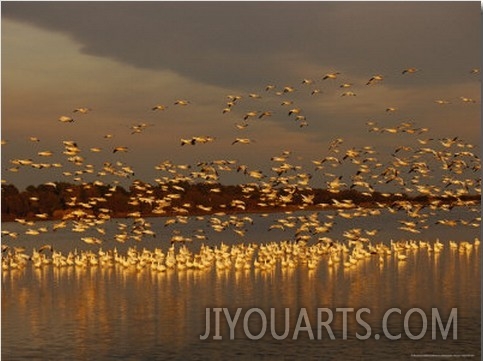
400 264
167 308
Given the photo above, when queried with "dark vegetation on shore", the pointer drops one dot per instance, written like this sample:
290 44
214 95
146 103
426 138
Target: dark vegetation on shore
65 200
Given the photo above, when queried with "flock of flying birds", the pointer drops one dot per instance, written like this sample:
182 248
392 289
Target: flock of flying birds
443 169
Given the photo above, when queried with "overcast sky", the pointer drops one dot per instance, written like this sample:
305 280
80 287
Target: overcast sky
122 58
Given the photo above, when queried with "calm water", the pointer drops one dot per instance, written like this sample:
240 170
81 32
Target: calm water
103 314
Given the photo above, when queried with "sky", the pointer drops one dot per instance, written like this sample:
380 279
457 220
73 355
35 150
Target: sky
120 59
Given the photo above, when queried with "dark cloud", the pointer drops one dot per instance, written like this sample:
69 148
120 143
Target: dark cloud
248 43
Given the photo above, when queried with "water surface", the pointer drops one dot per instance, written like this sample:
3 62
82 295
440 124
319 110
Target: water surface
113 313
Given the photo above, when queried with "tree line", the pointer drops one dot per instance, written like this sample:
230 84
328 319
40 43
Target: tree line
54 201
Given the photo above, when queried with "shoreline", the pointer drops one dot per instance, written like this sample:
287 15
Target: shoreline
63 215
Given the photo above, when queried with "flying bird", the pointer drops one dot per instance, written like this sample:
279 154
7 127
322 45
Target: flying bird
241 125
241 141
65 119
182 102
330 76
374 79
120 149
265 114
409 71
250 114
82 110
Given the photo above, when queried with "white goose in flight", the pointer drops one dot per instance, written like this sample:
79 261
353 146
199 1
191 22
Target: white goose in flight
375 78
410 71
82 110
242 141
120 149
182 102
330 75
66 119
